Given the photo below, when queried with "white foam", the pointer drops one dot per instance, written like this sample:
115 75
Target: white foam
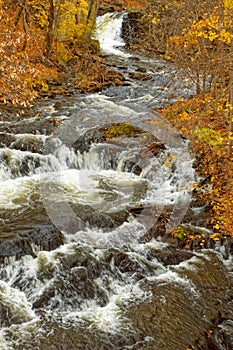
108 32
16 302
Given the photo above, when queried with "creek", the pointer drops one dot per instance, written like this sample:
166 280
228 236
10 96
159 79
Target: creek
92 186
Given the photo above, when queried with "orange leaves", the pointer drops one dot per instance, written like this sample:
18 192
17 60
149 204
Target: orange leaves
20 74
189 239
35 37
207 131
21 53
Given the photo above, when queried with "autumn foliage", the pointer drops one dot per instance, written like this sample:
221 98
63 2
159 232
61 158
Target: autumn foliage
38 38
21 60
202 120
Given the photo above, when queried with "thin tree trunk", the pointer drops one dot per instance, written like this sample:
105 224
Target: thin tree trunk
92 13
230 108
50 32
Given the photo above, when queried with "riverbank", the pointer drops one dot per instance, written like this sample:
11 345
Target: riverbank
201 119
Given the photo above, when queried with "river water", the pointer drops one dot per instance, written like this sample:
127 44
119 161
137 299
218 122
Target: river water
86 261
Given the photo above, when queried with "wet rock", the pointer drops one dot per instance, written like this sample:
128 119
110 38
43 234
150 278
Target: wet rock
86 336
27 164
152 149
40 124
28 144
15 247
19 166
6 139
107 6
127 263
83 143
132 167
179 315
108 132
223 335
130 28
98 219
19 243
141 69
170 255
72 279
14 308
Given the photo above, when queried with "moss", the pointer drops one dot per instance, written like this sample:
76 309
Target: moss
121 129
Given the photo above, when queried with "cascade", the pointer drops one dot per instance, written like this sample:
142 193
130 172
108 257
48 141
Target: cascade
83 261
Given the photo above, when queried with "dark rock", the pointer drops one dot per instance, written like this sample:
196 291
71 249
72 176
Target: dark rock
174 309
28 144
83 143
109 132
95 218
126 263
22 242
72 281
170 255
6 139
130 28
86 336
141 69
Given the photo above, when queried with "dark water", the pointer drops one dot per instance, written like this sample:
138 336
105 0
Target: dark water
86 260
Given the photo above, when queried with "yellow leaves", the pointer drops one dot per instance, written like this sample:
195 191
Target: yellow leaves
67 23
155 20
44 86
225 36
43 28
229 106
184 115
63 53
184 129
197 42
169 160
210 35
208 133
83 7
38 9
228 4
72 21
180 233
188 237
215 236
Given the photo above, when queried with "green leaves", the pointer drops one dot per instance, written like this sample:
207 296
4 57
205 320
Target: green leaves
209 135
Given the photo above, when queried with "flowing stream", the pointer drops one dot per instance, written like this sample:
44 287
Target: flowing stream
91 187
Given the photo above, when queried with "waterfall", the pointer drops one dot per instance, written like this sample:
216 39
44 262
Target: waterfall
108 32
